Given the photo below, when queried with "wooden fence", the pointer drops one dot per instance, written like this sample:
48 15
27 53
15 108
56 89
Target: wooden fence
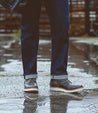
83 17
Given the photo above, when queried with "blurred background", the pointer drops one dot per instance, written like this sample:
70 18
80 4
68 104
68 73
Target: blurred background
83 19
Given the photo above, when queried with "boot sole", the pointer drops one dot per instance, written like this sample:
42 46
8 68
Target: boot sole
65 90
31 90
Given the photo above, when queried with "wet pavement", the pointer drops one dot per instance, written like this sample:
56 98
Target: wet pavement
87 45
81 71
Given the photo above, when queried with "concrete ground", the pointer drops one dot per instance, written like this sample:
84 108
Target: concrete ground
81 71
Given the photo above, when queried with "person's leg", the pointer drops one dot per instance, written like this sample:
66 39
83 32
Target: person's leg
58 11
30 37
29 43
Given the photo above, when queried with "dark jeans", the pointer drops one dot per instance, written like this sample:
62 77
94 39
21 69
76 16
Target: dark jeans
58 12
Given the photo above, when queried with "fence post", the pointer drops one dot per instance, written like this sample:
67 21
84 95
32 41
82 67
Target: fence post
87 18
96 10
70 11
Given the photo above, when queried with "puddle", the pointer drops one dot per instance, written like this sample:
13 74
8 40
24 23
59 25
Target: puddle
49 104
81 71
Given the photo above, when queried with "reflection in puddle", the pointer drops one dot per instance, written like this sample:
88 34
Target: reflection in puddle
30 103
55 103
59 103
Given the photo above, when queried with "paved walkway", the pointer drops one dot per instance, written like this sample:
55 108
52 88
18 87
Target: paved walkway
12 97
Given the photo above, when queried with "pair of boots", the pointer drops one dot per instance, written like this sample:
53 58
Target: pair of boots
64 85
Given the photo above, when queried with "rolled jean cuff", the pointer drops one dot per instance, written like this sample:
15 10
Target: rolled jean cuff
59 76
30 76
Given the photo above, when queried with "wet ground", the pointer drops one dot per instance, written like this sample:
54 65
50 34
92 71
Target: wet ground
81 71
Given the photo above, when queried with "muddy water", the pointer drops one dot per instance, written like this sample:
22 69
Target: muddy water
80 69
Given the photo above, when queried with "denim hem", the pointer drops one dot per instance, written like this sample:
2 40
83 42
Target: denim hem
59 76
30 76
